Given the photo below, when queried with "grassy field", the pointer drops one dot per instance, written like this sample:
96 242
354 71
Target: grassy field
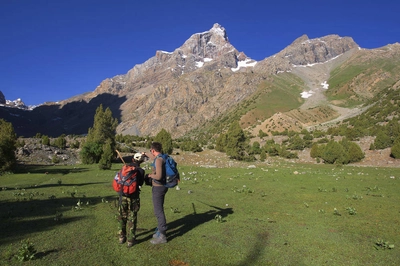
273 214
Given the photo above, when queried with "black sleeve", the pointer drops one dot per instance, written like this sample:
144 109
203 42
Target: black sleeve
140 177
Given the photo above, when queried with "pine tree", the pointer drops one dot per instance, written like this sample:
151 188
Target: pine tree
164 137
236 140
8 141
103 130
106 158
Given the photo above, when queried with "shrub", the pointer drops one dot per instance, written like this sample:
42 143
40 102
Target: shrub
334 153
382 140
395 151
316 151
45 140
354 153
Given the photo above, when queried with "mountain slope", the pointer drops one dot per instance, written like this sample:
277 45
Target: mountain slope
207 83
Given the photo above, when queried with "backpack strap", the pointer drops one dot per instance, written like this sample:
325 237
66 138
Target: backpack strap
162 182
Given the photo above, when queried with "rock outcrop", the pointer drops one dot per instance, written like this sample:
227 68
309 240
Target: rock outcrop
2 98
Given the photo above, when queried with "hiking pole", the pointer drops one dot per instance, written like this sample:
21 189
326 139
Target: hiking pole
119 155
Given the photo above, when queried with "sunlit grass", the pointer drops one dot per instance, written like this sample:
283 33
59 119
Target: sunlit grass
269 215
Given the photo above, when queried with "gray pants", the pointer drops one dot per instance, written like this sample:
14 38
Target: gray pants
158 194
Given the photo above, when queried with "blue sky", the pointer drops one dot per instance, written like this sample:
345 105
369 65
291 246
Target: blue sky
55 49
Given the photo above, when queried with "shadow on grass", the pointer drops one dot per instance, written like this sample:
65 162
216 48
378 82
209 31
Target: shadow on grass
43 254
46 169
14 230
183 225
259 243
26 216
51 185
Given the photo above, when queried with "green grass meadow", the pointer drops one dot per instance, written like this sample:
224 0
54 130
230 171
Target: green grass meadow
274 214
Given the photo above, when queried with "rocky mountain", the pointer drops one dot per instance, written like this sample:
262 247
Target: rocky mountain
207 78
2 98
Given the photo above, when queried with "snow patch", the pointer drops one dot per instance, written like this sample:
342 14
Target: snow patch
244 63
199 64
325 85
306 94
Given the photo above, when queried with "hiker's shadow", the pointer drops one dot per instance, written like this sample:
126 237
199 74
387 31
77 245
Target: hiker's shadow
185 224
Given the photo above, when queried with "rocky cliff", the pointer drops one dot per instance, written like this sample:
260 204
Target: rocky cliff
182 89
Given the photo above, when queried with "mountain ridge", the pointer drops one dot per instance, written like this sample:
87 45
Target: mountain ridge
198 82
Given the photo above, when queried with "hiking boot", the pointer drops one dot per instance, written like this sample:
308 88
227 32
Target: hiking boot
161 239
122 239
131 243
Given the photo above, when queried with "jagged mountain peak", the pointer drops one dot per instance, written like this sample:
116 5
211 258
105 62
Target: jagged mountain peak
301 39
210 49
209 44
304 51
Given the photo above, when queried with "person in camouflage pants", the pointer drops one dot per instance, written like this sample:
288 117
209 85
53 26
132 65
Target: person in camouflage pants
127 219
129 207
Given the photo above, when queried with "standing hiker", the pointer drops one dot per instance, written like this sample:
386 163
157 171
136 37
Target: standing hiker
126 183
158 193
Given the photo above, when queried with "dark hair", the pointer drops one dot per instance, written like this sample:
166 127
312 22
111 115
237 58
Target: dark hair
157 146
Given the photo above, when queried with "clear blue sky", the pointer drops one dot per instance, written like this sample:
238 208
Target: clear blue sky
55 49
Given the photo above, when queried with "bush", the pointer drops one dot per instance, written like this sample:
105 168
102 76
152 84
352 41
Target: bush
91 152
354 153
45 140
395 151
334 153
60 142
382 140
316 151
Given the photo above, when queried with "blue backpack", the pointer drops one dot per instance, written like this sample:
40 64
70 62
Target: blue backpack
171 171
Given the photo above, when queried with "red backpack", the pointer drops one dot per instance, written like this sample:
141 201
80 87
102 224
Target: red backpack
125 180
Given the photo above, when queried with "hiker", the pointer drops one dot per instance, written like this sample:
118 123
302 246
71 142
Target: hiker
158 193
129 204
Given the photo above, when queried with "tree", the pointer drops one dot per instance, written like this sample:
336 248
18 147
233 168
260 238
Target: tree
334 153
45 140
191 145
297 143
221 142
256 148
316 151
103 130
164 137
8 140
354 153
262 134
382 140
263 156
106 158
61 142
236 139
395 150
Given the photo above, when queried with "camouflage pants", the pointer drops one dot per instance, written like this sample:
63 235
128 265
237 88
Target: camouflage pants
127 217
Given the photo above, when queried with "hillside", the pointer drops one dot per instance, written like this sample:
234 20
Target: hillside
201 87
